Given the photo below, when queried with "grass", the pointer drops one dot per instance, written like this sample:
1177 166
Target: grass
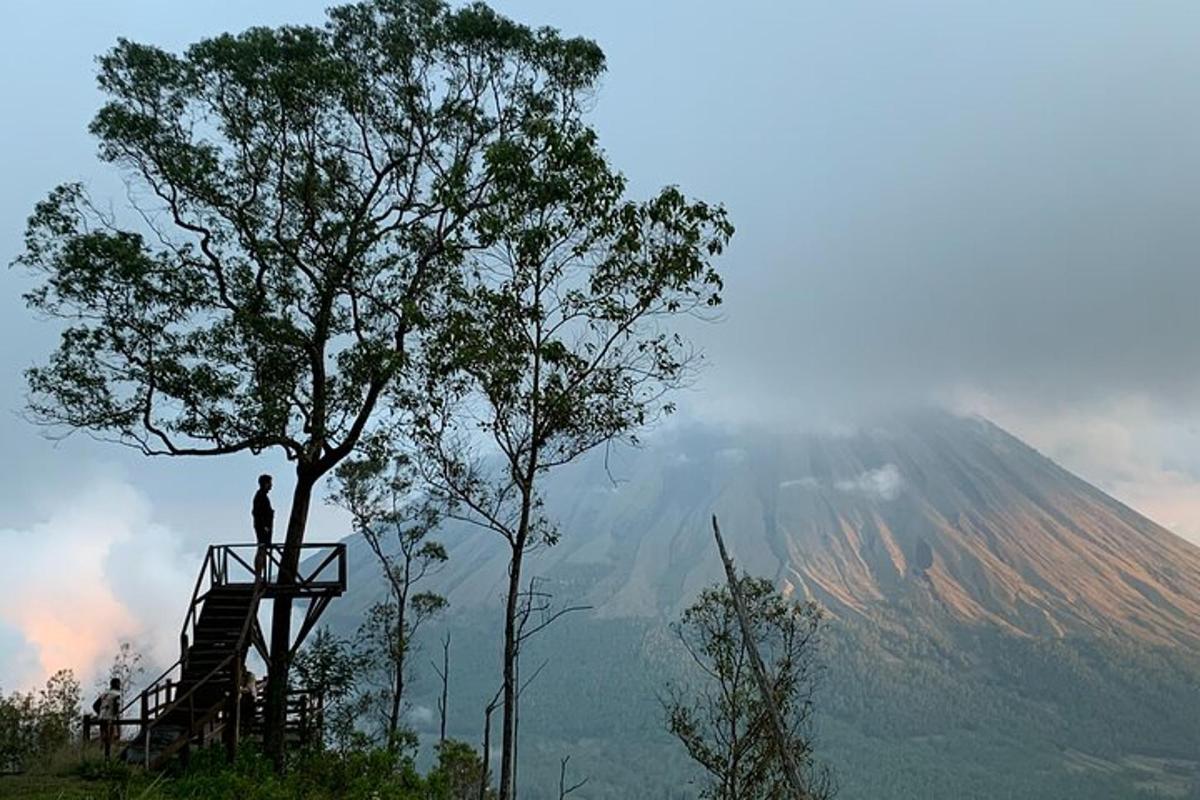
56 787
75 774
368 774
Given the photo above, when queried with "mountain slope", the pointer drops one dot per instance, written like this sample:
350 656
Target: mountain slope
932 505
1002 628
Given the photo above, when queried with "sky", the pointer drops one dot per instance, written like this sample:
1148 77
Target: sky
988 206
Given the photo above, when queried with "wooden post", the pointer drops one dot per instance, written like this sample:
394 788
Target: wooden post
233 713
191 726
146 729
791 769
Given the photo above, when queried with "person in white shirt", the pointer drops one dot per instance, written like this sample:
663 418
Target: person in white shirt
108 710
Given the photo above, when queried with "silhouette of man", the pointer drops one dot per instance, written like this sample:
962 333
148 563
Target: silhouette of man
264 521
108 711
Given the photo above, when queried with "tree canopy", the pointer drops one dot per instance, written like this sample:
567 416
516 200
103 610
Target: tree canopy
298 191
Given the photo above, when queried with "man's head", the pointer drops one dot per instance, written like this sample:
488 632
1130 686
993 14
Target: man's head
264 482
115 684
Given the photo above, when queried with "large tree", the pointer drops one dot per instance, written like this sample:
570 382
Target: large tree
555 339
297 194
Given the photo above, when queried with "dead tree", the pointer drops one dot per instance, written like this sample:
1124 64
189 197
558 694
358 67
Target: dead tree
778 731
563 789
746 721
487 742
443 673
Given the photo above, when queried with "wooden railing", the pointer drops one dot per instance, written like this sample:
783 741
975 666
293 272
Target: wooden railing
152 715
320 567
321 571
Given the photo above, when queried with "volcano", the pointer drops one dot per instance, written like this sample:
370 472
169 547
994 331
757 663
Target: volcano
999 626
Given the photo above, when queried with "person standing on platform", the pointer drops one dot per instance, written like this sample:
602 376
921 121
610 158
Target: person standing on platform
264 523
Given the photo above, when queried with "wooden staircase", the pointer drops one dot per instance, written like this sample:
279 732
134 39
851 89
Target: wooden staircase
199 700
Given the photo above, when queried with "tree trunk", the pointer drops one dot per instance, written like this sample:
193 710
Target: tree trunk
398 686
275 712
445 701
508 725
487 749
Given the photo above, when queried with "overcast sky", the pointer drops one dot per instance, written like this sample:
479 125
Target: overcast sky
992 206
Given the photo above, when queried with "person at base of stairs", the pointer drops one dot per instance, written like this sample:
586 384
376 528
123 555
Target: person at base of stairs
108 710
264 521
249 698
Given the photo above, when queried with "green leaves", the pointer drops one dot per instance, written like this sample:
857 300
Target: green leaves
720 716
301 195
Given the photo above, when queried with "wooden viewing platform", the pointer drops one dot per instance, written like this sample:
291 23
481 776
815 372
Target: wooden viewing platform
199 699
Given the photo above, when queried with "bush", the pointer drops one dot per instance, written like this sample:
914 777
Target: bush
371 774
34 727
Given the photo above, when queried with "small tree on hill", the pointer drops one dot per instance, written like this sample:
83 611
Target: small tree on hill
33 726
328 667
126 667
721 718
395 521
298 194
556 340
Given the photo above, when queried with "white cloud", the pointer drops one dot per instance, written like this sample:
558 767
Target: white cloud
884 483
97 570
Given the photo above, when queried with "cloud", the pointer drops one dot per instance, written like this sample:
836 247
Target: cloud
800 483
954 202
95 572
884 483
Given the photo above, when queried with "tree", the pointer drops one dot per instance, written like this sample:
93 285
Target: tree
443 673
328 668
395 521
126 667
18 731
555 339
35 725
459 773
535 612
722 719
296 196
59 710
565 788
